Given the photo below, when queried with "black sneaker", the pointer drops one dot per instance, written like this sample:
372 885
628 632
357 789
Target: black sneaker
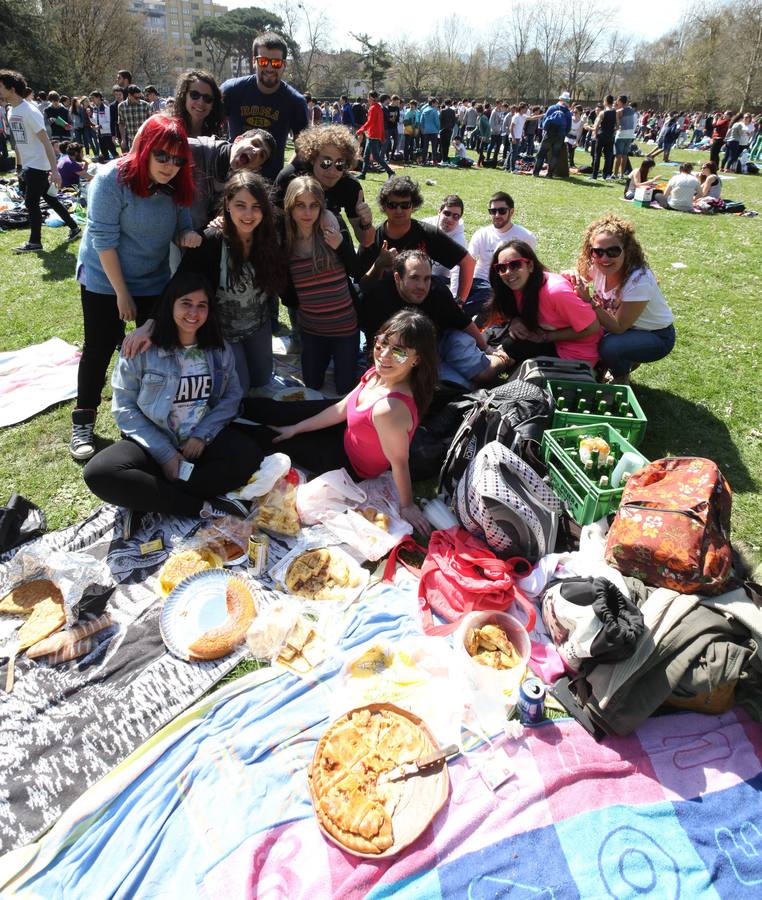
82 445
28 247
133 519
74 233
224 506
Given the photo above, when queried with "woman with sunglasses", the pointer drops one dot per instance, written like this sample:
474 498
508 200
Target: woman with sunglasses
369 431
137 205
540 311
710 181
639 325
329 153
320 258
198 103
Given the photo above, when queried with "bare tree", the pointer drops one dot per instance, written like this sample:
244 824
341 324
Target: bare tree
550 34
519 31
586 22
412 69
309 29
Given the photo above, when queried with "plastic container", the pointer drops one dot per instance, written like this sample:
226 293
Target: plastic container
439 514
585 500
629 462
632 427
503 682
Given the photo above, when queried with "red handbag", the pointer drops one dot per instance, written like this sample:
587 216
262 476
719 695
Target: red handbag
459 575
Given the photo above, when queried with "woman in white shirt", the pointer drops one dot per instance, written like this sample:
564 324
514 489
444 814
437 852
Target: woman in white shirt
639 325
575 133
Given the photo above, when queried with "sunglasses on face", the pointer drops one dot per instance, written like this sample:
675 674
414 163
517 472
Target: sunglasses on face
498 210
197 95
161 156
451 215
398 204
611 252
338 164
512 265
264 61
399 355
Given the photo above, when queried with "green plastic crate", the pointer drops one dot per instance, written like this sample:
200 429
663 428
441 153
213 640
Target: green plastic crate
585 499
633 429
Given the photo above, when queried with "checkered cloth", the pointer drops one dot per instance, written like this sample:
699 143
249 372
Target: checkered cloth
132 116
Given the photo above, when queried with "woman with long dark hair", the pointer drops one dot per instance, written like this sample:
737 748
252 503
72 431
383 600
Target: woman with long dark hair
640 178
369 430
538 311
174 405
198 103
136 206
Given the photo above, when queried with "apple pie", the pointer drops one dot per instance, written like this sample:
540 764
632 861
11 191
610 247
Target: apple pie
350 804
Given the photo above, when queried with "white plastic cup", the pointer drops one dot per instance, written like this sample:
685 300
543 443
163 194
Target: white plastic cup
629 462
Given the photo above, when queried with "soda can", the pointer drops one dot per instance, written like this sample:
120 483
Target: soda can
259 545
531 701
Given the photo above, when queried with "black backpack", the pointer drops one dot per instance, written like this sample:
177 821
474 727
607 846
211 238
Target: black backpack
514 414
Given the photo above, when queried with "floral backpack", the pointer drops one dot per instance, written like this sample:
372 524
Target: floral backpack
672 528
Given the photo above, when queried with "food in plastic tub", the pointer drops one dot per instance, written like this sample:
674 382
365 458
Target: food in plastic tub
485 676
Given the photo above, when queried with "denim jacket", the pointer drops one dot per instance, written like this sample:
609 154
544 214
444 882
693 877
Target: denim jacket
145 388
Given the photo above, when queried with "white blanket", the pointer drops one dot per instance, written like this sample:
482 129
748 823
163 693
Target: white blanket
36 377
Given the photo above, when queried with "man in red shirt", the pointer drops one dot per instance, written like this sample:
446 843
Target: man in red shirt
721 125
373 129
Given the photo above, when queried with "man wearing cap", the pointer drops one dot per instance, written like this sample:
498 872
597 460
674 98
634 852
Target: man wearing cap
555 126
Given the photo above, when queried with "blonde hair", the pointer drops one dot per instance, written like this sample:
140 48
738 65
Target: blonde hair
322 255
624 231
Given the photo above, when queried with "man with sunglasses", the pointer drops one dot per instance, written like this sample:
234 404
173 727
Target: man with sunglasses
398 198
265 100
486 240
450 221
462 357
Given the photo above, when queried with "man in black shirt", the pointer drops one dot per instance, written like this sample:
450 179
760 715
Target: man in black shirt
462 357
399 197
603 133
447 122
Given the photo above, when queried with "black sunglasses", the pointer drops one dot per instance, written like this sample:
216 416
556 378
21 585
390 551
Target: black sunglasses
161 156
398 204
339 164
449 214
611 252
197 95
512 265
498 210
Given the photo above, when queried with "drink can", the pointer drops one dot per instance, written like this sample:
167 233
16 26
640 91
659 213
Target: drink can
259 545
531 701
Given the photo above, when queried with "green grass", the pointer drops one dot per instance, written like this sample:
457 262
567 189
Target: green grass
704 399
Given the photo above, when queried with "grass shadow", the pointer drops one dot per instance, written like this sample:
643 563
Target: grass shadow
59 263
679 427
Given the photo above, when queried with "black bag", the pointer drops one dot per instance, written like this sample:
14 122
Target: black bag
539 369
14 218
20 521
515 414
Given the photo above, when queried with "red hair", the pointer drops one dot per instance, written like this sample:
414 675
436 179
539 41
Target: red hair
159 132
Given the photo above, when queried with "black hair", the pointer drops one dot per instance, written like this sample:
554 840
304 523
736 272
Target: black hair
503 298
452 200
501 195
402 185
416 331
267 139
125 73
165 334
13 81
212 122
270 40
401 259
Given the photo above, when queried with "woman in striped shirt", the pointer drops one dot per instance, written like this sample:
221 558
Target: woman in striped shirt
320 261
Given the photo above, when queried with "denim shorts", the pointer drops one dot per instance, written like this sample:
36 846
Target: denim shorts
622 146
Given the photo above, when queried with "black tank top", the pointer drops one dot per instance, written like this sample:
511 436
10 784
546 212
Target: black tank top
608 124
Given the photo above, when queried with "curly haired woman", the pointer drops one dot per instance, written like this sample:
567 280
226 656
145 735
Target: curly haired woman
638 323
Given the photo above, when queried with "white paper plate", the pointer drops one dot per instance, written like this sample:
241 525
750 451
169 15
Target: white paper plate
196 605
345 596
309 393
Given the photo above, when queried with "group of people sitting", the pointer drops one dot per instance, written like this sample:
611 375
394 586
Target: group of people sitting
683 192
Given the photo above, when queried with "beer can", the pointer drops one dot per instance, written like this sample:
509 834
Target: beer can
259 545
531 701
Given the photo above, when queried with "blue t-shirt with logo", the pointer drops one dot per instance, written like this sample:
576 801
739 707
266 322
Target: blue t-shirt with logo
279 113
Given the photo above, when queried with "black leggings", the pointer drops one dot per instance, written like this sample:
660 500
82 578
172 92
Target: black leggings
522 350
104 331
317 451
36 184
127 475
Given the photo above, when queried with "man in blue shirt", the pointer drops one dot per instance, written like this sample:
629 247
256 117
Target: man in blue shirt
264 100
556 124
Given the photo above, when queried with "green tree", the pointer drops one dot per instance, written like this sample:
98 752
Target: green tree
247 24
28 46
376 59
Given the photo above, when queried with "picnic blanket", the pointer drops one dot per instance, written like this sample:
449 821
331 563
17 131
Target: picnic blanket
63 728
217 806
36 377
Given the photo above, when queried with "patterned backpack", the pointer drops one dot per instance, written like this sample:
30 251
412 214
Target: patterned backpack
504 500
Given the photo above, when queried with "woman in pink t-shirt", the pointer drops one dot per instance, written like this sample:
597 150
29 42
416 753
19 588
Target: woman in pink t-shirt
369 430
538 313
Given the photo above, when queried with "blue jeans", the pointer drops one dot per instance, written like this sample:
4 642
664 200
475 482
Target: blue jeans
317 351
460 360
515 153
254 358
619 352
480 293
552 146
425 139
373 148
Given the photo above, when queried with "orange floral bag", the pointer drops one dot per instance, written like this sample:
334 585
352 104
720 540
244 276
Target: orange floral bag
672 528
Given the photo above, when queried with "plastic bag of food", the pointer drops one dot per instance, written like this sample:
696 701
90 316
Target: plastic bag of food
282 634
328 494
228 537
277 512
263 480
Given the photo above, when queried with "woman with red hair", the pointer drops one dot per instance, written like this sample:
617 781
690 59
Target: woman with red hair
137 205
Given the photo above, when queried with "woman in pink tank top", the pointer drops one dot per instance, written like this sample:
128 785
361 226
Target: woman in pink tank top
369 430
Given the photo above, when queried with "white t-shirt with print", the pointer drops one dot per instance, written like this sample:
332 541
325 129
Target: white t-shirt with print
641 285
485 240
193 392
26 121
683 190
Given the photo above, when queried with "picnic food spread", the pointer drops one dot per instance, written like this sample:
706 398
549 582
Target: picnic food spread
344 776
376 517
491 646
185 563
224 638
320 574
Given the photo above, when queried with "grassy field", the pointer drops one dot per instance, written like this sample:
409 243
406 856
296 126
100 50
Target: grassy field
704 399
